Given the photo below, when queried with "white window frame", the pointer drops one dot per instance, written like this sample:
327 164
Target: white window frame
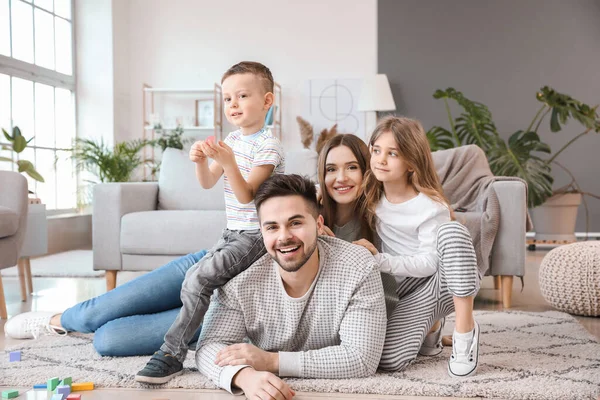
20 69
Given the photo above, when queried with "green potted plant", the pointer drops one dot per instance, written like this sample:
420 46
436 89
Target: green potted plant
524 155
173 139
18 143
109 165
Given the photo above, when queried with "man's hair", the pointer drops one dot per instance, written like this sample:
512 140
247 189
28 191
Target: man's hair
250 67
280 185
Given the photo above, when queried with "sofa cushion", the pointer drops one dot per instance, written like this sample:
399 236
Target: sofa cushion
9 222
170 231
178 188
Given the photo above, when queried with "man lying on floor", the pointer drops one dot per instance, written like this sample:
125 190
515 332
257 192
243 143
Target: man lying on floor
313 307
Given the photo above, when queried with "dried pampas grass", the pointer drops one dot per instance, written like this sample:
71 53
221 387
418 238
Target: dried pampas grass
306 132
325 136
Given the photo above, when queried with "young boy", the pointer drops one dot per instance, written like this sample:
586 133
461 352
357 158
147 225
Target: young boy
247 158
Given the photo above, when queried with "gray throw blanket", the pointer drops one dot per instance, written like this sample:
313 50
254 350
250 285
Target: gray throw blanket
467 180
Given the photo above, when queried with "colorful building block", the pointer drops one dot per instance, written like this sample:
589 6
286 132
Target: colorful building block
40 386
63 389
14 356
66 381
58 396
80 386
52 384
73 396
10 394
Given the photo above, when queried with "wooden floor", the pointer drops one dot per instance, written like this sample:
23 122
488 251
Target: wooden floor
56 294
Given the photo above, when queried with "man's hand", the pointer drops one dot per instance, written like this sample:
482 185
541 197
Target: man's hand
262 385
220 152
367 245
326 231
196 153
248 354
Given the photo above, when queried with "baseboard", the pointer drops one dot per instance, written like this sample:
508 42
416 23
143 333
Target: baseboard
578 235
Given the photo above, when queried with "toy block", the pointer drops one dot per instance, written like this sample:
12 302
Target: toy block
14 356
63 389
73 396
40 386
210 139
10 394
52 384
57 396
82 386
66 381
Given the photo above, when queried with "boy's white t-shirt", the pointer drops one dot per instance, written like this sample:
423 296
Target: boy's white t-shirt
260 148
408 236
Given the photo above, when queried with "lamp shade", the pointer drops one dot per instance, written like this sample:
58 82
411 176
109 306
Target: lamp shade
376 94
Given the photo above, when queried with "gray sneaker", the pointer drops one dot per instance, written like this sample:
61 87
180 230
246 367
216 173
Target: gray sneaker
161 368
432 345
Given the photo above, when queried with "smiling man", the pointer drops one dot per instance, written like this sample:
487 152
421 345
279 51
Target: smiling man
313 307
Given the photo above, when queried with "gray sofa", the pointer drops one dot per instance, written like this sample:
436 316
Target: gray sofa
13 222
141 226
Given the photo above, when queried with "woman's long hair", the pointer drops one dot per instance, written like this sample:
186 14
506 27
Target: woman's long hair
363 156
414 149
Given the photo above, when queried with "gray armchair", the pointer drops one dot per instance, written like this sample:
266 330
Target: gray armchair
13 221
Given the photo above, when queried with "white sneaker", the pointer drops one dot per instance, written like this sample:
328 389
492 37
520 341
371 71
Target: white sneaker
31 325
432 345
465 356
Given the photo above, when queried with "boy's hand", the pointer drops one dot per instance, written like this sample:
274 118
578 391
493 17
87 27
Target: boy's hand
196 153
367 245
220 152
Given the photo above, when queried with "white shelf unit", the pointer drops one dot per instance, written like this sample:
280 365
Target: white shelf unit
149 98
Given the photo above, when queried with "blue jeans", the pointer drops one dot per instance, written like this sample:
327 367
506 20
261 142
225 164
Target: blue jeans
132 319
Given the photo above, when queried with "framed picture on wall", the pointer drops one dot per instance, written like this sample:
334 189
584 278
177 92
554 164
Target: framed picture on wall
205 110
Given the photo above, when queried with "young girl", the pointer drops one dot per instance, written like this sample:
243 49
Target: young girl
431 257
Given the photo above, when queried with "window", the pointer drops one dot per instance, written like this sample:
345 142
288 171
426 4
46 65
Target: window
37 92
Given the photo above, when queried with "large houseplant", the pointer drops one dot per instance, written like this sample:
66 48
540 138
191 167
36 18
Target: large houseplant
523 155
109 165
18 143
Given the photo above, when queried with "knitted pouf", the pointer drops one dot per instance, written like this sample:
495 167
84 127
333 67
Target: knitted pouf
570 278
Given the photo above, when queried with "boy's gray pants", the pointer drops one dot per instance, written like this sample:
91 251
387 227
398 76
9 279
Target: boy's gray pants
233 253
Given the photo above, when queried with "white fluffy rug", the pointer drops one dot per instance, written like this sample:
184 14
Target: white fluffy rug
74 263
523 355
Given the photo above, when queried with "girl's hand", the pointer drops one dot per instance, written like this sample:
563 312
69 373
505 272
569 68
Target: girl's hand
367 245
326 231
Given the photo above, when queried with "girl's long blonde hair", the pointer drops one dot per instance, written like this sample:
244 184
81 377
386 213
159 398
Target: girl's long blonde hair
413 147
363 156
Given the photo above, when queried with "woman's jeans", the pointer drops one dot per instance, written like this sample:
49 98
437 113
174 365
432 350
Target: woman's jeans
132 319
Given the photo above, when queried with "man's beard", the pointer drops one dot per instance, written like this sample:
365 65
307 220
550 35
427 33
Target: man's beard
293 266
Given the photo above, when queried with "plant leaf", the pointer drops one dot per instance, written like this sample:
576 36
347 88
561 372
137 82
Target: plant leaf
475 124
516 159
19 144
440 139
8 137
16 132
6 159
29 169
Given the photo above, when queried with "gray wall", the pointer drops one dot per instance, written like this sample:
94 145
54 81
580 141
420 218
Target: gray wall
498 53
